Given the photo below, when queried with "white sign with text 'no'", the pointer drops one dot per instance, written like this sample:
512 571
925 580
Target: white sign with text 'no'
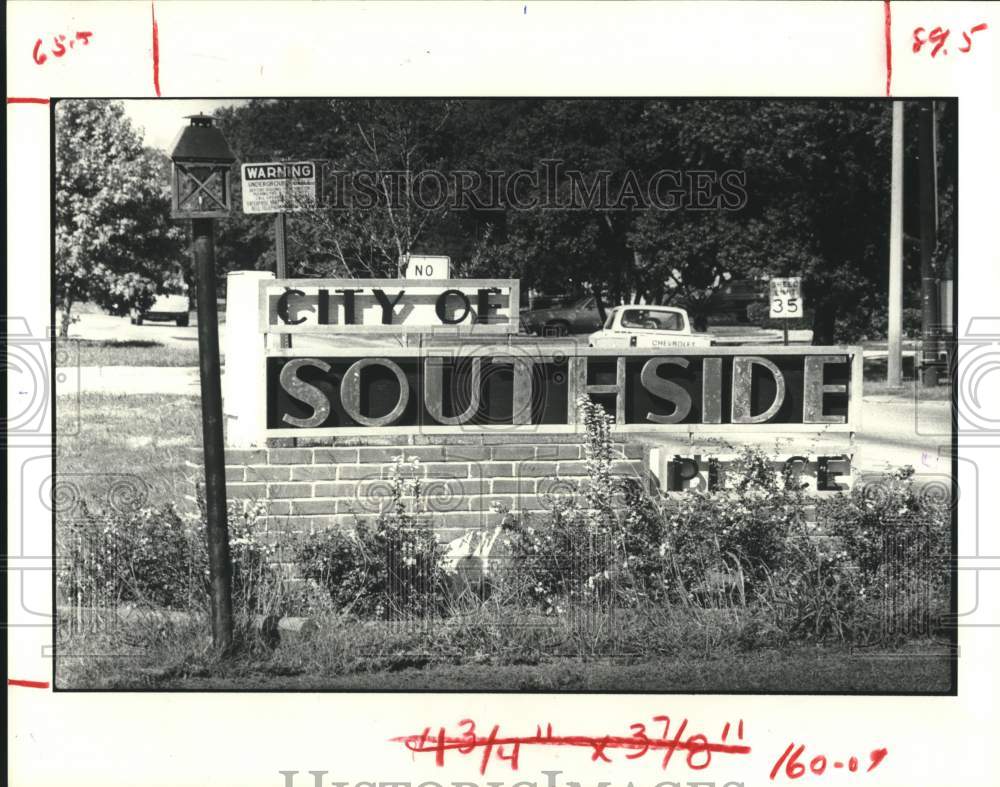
424 266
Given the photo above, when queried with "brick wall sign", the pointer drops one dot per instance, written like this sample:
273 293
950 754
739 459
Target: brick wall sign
389 306
532 387
492 419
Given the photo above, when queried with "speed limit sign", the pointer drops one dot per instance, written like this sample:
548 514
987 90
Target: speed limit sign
786 298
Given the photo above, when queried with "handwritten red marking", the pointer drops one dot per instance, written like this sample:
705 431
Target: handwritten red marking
156 51
877 756
794 769
27 100
968 36
30 684
939 37
58 48
888 46
698 748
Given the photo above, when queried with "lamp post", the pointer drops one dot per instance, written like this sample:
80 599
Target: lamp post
200 184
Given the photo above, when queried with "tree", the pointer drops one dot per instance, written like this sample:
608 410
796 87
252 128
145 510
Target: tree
390 140
817 185
814 174
576 148
115 243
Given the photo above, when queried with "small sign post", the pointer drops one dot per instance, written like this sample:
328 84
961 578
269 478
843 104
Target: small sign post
786 300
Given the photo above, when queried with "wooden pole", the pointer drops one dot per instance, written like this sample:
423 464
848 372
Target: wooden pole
220 583
894 376
281 264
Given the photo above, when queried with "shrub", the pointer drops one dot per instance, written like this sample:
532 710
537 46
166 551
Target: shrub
146 556
751 547
733 539
747 562
891 524
257 578
895 534
815 594
595 544
613 539
392 569
157 558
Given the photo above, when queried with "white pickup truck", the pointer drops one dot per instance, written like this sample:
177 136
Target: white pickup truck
648 326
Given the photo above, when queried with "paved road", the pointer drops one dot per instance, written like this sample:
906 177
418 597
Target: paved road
898 432
104 327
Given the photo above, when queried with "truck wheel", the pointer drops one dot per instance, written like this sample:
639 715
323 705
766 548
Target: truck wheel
183 321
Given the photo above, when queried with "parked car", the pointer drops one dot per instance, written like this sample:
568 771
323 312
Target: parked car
579 316
166 308
648 326
736 296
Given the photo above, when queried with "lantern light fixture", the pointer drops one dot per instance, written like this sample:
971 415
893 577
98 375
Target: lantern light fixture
201 171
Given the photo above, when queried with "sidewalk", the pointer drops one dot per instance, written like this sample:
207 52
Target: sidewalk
175 380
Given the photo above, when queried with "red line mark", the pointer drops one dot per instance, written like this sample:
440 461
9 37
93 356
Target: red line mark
156 51
599 745
27 100
31 684
888 46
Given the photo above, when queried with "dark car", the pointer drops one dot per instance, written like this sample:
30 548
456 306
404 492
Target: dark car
166 308
735 297
578 316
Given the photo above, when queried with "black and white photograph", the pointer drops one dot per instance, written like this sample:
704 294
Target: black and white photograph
507 393
560 395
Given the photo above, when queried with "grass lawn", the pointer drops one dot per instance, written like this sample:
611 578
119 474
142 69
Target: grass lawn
107 443
182 661
806 669
133 352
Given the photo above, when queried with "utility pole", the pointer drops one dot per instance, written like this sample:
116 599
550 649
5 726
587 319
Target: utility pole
928 243
894 376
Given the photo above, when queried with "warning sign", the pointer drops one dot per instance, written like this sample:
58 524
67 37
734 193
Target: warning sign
279 187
